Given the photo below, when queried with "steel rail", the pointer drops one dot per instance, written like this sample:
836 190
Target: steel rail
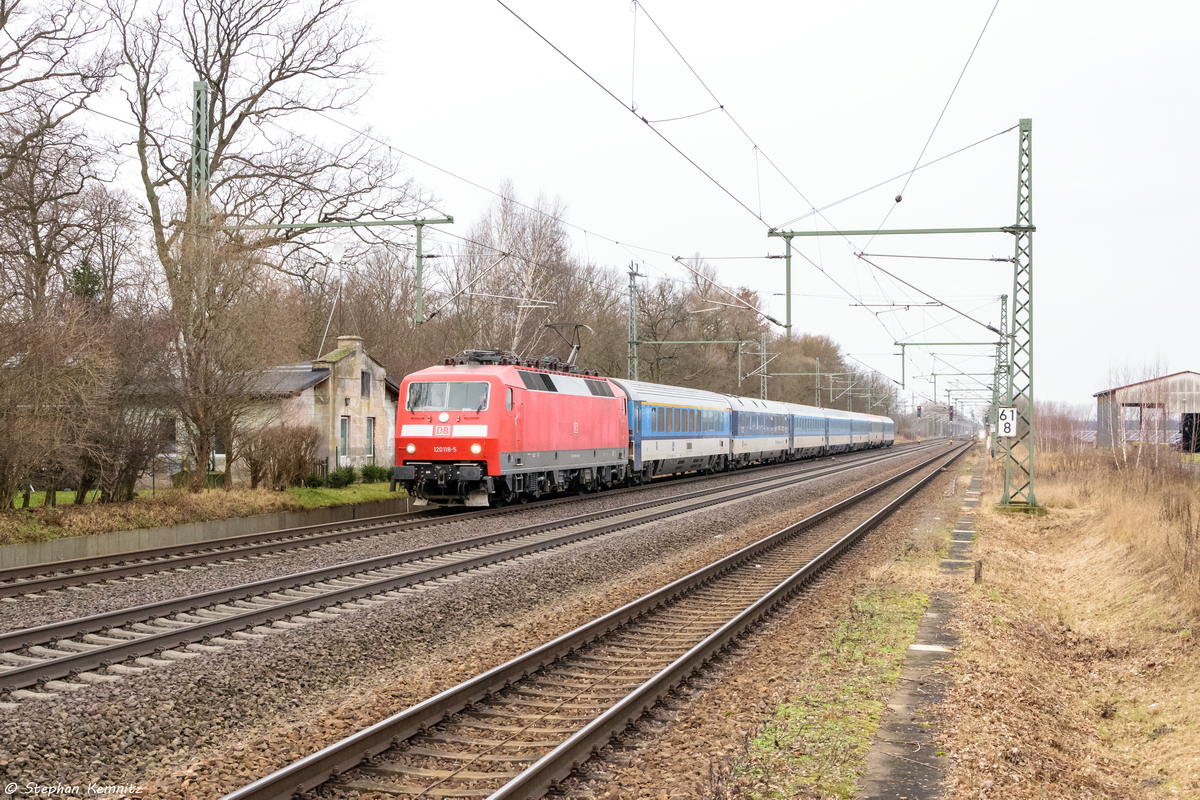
59 630
147 643
558 764
60 574
313 770
15 581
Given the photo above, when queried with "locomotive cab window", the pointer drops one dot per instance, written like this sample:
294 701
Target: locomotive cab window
448 396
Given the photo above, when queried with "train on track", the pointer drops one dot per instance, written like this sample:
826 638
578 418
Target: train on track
487 428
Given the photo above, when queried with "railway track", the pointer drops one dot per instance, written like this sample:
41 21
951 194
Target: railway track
518 729
34 579
66 656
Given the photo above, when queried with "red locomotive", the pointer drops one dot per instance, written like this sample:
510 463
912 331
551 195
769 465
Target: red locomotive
488 428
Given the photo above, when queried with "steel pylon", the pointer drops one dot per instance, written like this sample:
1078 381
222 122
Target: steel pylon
1018 450
1001 374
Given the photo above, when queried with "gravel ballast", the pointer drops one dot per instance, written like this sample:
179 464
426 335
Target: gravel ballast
28 612
205 726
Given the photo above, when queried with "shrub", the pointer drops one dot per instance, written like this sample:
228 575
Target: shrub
282 455
375 473
181 479
314 480
341 477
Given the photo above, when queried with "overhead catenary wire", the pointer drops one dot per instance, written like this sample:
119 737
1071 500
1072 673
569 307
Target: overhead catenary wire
632 110
659 252
941 115
873 187
723 107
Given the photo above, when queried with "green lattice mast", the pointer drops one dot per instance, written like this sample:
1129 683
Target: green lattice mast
1018 450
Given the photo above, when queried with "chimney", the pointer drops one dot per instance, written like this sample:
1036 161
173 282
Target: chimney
350 341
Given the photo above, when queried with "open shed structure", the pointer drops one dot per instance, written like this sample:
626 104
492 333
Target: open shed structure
1162 410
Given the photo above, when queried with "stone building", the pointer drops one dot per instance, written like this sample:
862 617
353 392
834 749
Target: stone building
347 396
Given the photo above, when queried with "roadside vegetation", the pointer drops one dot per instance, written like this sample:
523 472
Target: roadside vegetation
1079 671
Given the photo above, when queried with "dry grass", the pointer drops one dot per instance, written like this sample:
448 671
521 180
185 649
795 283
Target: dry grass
1153 510
1079 673
170 507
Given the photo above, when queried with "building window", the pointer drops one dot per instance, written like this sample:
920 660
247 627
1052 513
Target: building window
371 436
344 440
366 384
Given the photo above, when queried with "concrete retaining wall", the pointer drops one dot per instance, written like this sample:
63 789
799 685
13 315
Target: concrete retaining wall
19 555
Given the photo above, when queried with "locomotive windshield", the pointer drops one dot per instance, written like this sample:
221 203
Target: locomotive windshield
447 396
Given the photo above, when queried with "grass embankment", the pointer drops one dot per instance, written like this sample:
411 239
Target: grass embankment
170 507
1079 670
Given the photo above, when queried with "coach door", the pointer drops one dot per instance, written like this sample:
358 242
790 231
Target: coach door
635 435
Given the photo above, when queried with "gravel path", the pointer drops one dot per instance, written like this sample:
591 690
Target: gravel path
202 727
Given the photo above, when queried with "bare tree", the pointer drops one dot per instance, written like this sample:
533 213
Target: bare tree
218 348
52 60
42 222
53 374
268 65
500 281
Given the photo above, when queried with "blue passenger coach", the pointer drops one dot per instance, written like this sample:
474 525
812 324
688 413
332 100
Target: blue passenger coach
761 431
809 430
673 429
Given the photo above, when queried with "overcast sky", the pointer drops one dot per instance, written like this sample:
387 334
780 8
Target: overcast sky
839 96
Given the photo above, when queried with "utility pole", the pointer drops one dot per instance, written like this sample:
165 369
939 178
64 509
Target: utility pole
198 174
818 383
631 368
1000 377
1018 450
788 289
762 378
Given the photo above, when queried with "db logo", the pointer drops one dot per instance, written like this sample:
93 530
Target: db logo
441 430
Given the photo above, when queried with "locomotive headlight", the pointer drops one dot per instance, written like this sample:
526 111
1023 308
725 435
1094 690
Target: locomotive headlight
411 448
477 448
